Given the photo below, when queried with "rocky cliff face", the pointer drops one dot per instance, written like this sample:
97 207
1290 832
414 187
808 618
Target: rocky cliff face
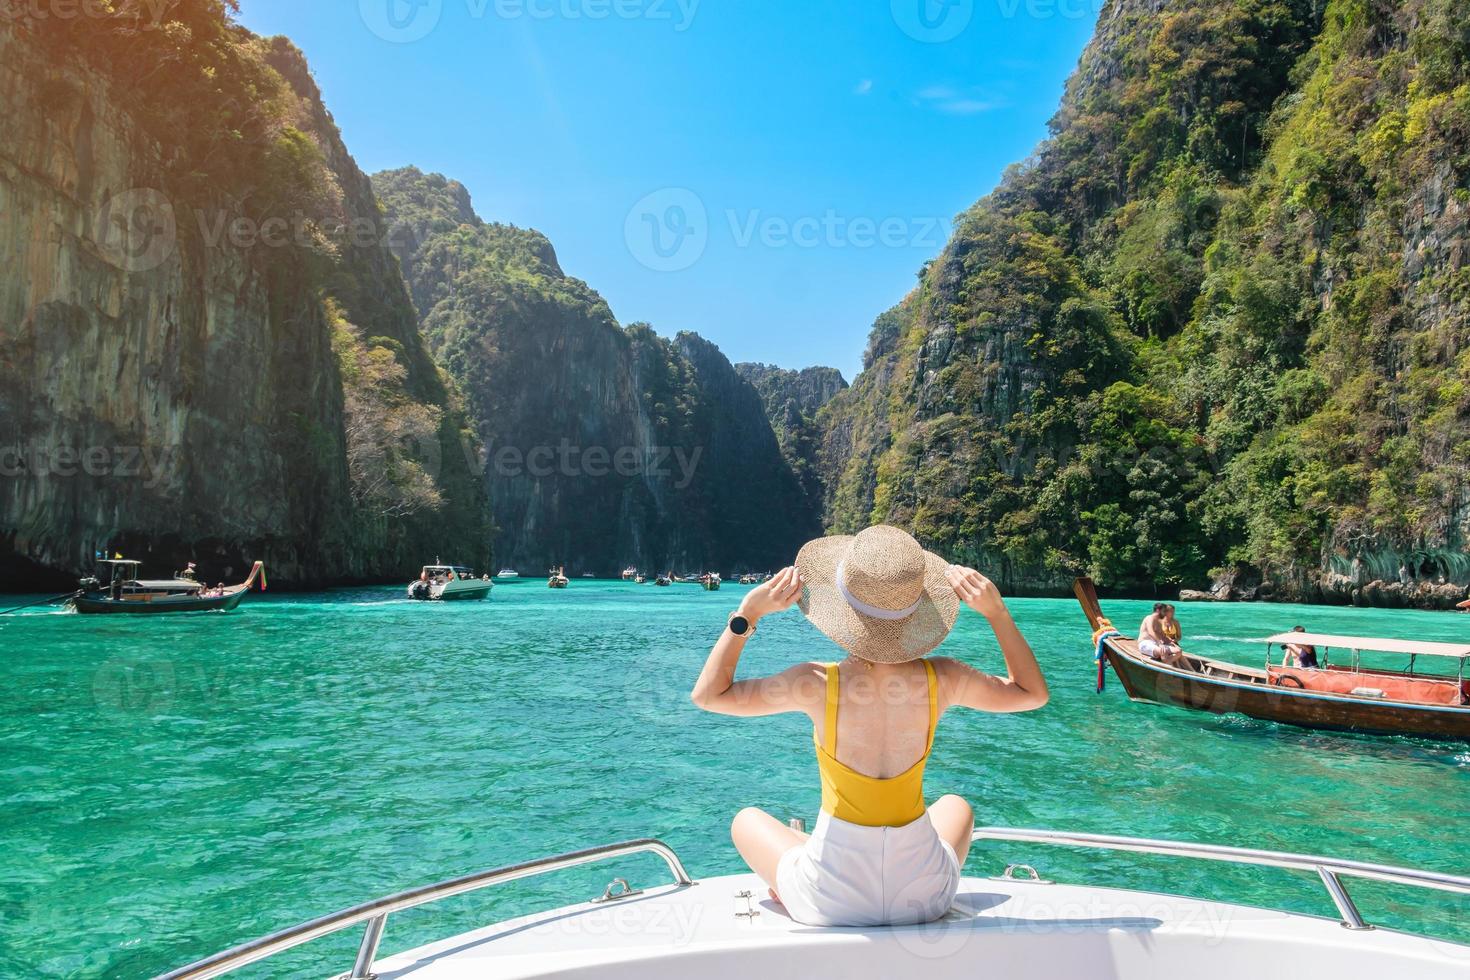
605 446
793 400
1213 330
183 325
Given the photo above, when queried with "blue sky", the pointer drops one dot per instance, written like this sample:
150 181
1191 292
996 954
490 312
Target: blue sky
770 174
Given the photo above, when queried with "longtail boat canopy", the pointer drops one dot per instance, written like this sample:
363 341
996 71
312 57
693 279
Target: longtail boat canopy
1414 648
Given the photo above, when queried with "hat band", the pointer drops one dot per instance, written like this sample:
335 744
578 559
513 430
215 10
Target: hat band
873 612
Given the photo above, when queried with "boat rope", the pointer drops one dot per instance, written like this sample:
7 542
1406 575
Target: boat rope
43 602
1100 636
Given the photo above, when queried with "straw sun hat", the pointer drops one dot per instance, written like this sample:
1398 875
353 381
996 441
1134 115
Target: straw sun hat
880 596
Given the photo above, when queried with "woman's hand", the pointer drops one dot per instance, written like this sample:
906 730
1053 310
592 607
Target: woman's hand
977 592
777 595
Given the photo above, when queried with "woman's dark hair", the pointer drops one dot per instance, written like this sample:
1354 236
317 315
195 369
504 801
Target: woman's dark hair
1159 607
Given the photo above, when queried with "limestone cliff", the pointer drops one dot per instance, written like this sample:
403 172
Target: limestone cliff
605 446
206 353
1214 330
792 401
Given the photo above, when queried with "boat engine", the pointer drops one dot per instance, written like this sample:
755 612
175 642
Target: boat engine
420 591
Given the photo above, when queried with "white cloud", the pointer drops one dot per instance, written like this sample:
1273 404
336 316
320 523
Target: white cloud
944 98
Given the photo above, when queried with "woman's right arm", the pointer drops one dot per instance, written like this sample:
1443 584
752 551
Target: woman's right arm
717 691
1024 688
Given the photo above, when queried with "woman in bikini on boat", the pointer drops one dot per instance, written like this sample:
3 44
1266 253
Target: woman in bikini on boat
877 855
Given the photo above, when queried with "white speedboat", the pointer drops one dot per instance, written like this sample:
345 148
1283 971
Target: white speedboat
508 573
447 583
1014 925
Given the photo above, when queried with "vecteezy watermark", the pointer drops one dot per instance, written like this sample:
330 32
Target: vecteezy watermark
138 14
594 462
155 465
1049 9
136 231
406 21
670 230
933 21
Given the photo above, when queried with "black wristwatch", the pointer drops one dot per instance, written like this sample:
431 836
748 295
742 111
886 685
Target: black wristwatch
741 626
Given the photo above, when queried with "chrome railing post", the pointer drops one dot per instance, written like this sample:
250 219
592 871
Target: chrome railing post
1351 919
376 913
372 937
1329 870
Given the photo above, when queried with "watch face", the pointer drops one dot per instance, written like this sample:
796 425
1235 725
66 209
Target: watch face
739 626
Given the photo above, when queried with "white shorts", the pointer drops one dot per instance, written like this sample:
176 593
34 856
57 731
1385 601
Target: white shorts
1151 648
850 875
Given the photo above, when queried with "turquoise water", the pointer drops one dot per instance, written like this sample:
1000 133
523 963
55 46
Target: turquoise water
176 785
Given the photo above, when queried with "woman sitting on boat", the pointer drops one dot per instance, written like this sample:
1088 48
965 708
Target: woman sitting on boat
877 855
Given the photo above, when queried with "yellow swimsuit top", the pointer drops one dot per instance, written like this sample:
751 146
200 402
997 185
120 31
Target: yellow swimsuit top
867 800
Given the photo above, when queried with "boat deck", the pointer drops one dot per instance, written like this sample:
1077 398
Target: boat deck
998 928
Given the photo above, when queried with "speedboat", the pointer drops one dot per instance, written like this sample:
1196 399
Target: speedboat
1346 697
1014 924
508 573
448 583
630 573
116 588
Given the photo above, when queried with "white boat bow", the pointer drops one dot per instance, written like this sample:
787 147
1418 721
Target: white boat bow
1013 925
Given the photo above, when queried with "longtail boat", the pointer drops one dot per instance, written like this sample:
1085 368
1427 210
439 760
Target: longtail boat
1346 697
558 578
116 588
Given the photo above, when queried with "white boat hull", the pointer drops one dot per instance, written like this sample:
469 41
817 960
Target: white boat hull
998 929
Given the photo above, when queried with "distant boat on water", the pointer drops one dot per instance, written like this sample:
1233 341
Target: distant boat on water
630 574
116 588
558 579
507 573
447 583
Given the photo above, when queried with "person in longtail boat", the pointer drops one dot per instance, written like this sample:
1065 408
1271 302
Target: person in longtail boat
1302 655
877 854
1159 636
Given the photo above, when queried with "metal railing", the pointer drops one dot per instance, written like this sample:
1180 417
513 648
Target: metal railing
375 913
1330 870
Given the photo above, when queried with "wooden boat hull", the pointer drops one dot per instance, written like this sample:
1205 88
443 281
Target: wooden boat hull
1145 680
1223 688
96 603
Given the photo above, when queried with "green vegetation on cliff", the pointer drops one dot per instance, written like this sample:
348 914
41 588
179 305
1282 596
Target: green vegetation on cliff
1218 322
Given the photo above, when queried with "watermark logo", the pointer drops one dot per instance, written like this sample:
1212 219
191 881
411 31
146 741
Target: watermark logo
401 21
933 21
147 14
136 230
668 231
135 686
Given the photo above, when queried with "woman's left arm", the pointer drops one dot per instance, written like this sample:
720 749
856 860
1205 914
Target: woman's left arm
719 692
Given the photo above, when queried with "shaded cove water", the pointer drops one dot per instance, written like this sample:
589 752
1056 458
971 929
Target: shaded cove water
173 786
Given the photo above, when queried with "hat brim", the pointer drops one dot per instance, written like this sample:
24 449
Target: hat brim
877 640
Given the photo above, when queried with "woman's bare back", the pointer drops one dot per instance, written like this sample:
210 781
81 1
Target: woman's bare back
882 717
